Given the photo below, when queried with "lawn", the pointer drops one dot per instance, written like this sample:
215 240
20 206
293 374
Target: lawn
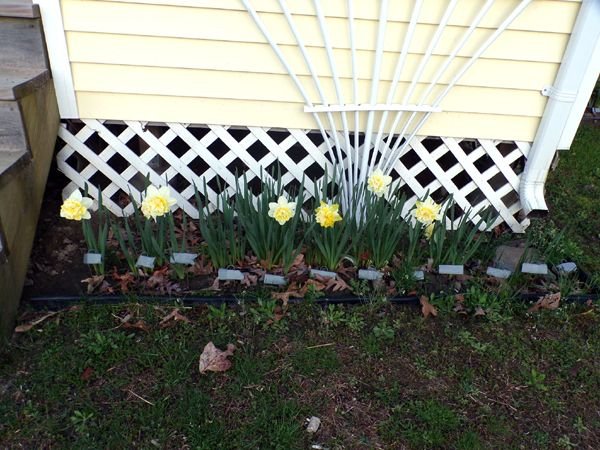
378 375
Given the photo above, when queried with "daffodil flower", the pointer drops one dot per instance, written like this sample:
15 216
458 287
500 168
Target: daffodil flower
157 202
327 215
427 212
429 230
282 210
76 207
378 183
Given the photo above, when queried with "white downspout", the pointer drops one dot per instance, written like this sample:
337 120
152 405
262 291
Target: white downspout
577 59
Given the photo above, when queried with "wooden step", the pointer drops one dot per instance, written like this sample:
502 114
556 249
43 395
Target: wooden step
12 132
20 82
22 44
11 162
19 8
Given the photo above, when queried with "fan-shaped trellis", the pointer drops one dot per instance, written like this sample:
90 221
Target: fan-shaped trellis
392 125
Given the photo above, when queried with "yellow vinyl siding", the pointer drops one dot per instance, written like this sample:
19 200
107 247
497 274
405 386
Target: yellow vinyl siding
560 13
279 88
207 62
265 114
158 52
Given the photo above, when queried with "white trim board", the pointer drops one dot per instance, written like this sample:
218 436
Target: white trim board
58 55
591 73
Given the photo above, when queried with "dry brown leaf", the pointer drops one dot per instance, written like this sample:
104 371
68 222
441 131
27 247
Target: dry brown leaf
137 325
427 308
214 286
87 373
549 301
201 266
215 360
250 279
336 285
124 280
479 312
23 328
172 318
460 309
298 262
94 283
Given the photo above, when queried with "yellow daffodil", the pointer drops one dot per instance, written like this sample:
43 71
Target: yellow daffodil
427 212
157 202
429 230
282 210
378 183
76 206
327 215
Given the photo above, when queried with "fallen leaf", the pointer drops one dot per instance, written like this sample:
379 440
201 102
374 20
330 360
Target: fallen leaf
250 279
549 301
94 283
23 328
201 266
137 325
87 373
173 317
214 286
336 285
125 280
427 308
479 312
460 309
215 360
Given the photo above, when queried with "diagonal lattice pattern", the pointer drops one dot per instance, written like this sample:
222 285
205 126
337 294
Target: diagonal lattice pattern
120 157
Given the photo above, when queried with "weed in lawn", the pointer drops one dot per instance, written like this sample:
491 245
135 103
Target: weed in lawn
82 421
102 343
536 380
567 283
372 346
315 361
355 322
565 442
263 311
312 293
469 440
424 424
422 366
404 279
332 316
443 303
541 438
384 331
467 339
360 288
579 425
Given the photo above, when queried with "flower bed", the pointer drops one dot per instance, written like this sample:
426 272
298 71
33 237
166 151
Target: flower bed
294 246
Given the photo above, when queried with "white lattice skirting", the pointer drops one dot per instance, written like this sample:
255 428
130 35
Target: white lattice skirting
118 156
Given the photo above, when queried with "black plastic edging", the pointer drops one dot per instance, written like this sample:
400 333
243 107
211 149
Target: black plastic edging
62 301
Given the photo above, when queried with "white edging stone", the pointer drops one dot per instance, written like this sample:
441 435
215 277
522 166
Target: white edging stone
187 259
230 275
451 269
538 269
92 258
369 274
498 273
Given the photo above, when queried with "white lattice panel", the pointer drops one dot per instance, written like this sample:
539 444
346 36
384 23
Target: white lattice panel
118 156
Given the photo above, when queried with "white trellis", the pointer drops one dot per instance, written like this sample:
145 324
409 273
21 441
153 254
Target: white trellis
118 156
355 164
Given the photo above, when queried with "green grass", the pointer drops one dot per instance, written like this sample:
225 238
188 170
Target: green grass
527 382
573 196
